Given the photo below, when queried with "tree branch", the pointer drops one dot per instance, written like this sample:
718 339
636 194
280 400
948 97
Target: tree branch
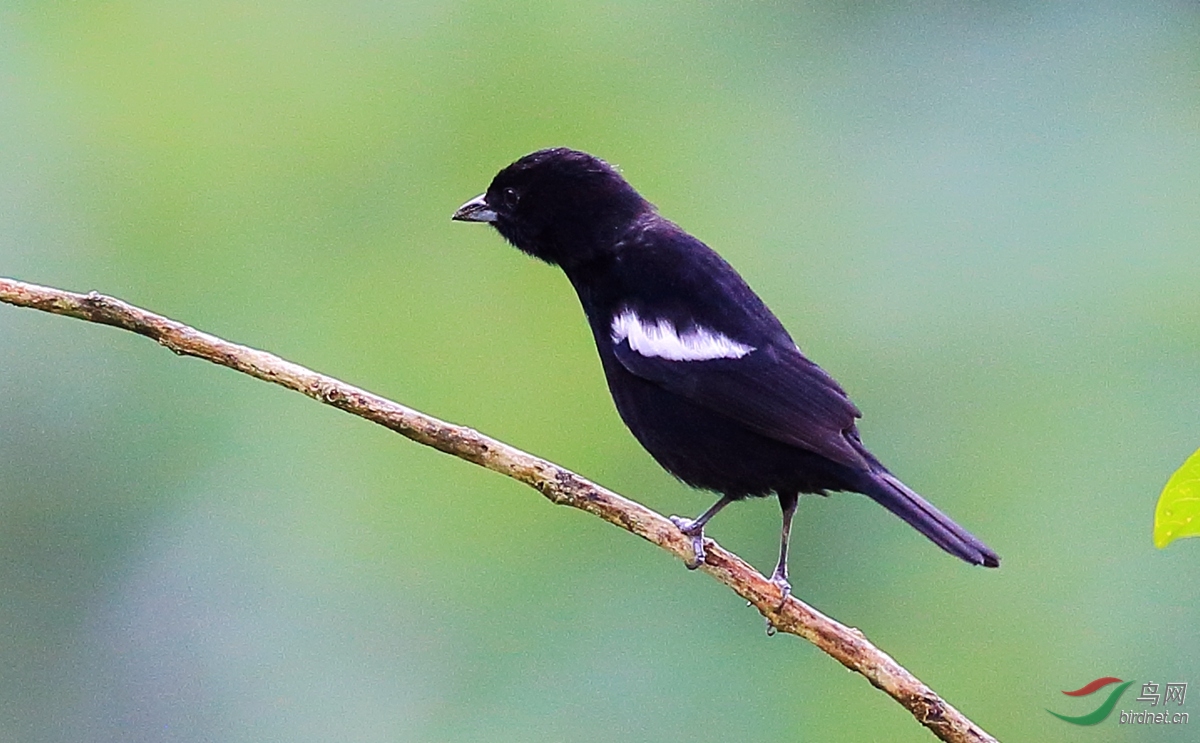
846 645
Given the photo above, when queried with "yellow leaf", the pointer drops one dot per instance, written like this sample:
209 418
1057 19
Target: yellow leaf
1178 511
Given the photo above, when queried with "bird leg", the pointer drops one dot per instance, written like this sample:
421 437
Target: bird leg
787 502
695 529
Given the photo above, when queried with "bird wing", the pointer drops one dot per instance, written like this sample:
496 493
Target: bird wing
773 391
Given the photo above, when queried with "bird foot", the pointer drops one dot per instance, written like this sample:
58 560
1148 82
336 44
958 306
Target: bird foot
689 528
785 591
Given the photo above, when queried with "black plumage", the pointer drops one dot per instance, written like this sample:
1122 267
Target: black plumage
702 373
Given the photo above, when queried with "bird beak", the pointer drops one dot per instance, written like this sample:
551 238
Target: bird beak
475 210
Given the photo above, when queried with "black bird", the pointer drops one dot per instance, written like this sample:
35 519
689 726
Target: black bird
702 373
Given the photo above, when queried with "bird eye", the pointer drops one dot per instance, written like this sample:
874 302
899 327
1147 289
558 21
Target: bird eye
511 197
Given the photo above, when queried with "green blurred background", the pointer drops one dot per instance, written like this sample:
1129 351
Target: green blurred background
984 219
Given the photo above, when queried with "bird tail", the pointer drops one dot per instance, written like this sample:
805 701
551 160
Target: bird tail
886 490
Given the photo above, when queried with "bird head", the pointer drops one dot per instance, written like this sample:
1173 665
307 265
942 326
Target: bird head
559 205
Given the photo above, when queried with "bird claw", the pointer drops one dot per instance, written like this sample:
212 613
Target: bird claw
785 591
688 528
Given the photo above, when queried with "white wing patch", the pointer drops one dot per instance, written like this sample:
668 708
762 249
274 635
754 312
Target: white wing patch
661 340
